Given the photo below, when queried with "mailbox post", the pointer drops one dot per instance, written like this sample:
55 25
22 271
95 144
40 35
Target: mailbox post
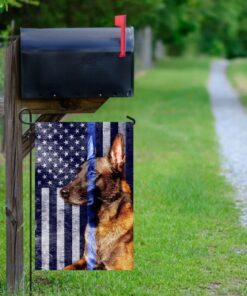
53 72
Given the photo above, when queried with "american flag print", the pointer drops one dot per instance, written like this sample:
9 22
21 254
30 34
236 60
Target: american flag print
61 149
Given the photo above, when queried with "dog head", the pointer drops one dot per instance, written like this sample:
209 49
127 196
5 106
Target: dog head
108 175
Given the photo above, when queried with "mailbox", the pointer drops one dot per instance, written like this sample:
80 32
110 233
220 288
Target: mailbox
76 63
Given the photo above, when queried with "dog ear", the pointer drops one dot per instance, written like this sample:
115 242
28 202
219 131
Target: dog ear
116 153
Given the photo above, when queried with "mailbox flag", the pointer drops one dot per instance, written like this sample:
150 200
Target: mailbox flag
120 21
71 161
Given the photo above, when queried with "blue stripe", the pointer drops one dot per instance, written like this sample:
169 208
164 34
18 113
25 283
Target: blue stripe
83 209
114 130
67 234
53 229
129 154
91 244
83 223
99 139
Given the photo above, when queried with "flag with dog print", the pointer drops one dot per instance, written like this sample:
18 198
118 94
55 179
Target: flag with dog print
83 196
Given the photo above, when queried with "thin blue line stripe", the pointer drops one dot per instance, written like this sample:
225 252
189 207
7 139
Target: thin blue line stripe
91 244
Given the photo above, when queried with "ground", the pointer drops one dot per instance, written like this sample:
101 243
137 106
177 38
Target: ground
188 238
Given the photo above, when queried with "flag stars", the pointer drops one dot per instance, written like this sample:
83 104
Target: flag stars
60 154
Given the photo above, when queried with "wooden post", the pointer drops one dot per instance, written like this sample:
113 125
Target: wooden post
14 201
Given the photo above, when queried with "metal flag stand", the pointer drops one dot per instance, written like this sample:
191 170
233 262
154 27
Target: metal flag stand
30 123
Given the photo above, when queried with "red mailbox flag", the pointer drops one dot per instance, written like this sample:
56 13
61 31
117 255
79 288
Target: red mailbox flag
120 21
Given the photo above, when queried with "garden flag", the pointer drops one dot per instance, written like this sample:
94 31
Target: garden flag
83 196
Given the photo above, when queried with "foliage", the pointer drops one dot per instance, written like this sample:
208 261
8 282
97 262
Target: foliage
215 27
84 13
4 4
211 27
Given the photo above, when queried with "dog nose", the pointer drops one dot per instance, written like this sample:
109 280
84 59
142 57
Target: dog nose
64 193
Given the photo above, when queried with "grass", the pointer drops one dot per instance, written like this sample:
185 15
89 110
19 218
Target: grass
188 239
237 72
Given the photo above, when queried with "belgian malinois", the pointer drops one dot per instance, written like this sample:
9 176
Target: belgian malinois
113 208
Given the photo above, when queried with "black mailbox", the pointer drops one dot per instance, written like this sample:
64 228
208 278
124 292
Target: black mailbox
76 63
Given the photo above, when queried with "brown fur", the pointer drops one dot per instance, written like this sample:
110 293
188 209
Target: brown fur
113 208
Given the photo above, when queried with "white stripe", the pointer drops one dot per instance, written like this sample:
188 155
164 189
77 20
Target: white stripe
45 228
106 137
75 233
60 230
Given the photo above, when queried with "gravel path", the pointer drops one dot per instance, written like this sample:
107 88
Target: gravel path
231 128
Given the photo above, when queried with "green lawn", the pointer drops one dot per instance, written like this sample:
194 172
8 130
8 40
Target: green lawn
188 239
238 74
